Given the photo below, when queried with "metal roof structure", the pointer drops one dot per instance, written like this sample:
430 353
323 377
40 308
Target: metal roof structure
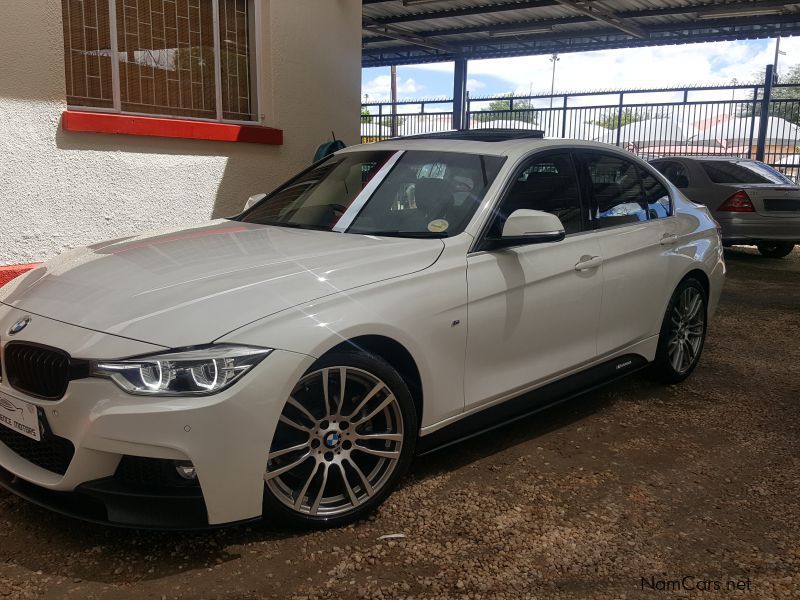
399 32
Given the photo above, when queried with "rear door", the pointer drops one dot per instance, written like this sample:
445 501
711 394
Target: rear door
632 217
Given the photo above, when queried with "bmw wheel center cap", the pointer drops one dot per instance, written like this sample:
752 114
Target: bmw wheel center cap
332 439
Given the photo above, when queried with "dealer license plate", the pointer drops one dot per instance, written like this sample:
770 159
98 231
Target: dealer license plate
20 416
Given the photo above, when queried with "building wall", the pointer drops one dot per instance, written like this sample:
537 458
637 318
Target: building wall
59 190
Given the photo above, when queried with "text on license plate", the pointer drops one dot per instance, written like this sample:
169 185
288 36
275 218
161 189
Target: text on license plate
20 416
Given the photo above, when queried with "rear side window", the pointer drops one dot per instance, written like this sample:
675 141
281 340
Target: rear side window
624 192
675 172
742 171
617 190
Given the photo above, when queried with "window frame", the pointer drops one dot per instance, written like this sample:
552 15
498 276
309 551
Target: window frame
523 164
255 60
672 161
582 156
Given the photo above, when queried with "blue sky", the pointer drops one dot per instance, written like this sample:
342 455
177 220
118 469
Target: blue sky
658 66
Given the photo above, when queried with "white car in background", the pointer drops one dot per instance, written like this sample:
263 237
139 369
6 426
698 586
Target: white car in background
289 362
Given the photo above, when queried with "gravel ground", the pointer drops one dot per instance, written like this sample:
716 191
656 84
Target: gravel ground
620 494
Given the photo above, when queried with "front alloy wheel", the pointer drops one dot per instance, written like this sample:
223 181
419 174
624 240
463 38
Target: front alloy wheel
343 440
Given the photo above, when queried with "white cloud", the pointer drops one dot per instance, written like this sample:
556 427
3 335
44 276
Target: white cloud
658 66
473 85
379 88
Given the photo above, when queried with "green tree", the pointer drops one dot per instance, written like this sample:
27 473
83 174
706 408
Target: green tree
785 110
366 116
611 119
509 108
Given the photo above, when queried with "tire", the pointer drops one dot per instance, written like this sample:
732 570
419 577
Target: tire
775 249
330 475
683 332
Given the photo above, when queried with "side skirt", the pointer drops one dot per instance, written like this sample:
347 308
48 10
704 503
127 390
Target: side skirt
531 402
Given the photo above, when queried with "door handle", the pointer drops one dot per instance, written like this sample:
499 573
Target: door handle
668 238
588 262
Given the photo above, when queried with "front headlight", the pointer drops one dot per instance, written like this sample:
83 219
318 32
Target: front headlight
192 372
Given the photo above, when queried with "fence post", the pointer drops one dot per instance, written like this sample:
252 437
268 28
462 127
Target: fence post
619 117
764 120
564 119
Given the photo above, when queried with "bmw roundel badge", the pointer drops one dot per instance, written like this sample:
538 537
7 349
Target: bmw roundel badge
19 326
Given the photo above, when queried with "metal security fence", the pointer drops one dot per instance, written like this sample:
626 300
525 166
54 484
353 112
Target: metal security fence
686 121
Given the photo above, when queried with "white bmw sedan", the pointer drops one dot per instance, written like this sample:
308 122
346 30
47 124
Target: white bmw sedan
289 362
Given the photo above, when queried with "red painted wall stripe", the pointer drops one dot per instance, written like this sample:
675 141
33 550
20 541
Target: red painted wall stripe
75 120
11 271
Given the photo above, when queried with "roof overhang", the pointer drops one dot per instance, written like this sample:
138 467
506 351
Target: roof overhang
399 32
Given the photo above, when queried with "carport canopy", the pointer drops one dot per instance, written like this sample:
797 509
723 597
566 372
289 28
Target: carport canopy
398 32
402 32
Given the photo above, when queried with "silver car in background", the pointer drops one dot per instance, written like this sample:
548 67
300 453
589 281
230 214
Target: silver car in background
753 203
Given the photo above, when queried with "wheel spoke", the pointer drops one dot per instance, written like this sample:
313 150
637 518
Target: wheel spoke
378 387
342 384
289 450
295 404
350 492
325 392
386 402
390 437
302 493
364 481
394 454
694 308
286 420
272 474
321 492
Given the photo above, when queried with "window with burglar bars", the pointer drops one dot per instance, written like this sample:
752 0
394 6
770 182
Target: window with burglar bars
184 58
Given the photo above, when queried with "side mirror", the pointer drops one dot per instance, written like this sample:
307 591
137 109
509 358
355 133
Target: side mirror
523 227
255 199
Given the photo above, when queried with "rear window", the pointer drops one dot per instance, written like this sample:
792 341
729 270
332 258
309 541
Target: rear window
742 171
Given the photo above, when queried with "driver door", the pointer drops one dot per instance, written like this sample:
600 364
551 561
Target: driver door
534 309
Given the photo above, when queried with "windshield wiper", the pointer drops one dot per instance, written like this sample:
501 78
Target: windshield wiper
407 234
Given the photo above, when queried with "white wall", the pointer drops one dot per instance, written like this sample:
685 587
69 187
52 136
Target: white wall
61 189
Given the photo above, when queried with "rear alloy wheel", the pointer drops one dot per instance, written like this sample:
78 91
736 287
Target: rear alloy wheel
775 249
683 332
345 437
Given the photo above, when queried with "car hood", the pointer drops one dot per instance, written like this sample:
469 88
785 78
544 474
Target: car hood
192 286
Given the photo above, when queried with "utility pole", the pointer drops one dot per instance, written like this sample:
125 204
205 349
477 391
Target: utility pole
778 53
554 59
394 100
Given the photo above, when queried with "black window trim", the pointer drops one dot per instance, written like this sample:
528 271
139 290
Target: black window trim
522 164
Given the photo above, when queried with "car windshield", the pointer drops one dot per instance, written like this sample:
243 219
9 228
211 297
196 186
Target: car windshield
383 192
743 171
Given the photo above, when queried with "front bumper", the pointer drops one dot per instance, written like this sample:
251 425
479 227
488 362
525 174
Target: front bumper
750 228
226 436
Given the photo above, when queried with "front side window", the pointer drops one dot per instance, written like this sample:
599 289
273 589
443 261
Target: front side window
548 184
185 58
418 194
743 171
